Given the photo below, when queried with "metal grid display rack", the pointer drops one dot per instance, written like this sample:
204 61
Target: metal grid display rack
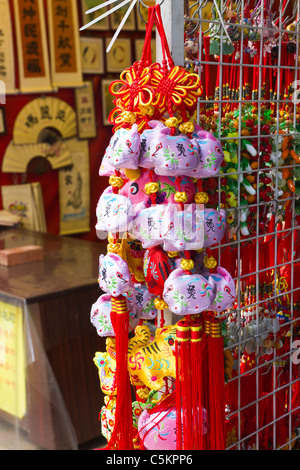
247 55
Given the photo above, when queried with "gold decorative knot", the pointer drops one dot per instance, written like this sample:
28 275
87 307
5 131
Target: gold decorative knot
172 122
151 188
114 248
147 110
210 262
201 198
187 127
180 197
172 254
187 264
116 181
160 304
128 116
143 393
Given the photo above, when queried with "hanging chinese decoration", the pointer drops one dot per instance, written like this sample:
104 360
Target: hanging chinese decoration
250 101
159 261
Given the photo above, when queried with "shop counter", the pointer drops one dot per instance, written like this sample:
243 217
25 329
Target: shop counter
49 384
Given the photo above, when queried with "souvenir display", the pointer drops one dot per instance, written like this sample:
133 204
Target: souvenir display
192 305
154 162
187 134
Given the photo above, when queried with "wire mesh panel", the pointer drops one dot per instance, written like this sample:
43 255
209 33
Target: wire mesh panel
247 55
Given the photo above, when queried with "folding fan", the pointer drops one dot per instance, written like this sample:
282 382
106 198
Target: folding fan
43 113
17 157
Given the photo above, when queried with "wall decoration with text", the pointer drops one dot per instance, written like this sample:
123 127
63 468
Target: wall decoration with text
85 109
66 67
42 115
92 55
7 69
33 64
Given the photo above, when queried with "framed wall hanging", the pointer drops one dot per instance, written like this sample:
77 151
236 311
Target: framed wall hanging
92 55
107 103
119 57
102 25
74 190
117 16
33 63
7 53
26 201
86 116
64 40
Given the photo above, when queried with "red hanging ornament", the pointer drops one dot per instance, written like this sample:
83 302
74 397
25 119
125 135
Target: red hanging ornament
133 92
122 435
198 341
183 387
215 383
157 268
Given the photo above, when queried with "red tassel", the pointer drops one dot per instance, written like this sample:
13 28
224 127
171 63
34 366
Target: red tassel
190 344
166 403
183 385
122 435
215 385
198 344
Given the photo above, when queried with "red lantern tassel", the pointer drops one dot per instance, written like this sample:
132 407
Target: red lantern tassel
122 435
198 344
183 386
190 344
216 385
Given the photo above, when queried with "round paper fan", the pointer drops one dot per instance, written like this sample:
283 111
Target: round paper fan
41 114
17 157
